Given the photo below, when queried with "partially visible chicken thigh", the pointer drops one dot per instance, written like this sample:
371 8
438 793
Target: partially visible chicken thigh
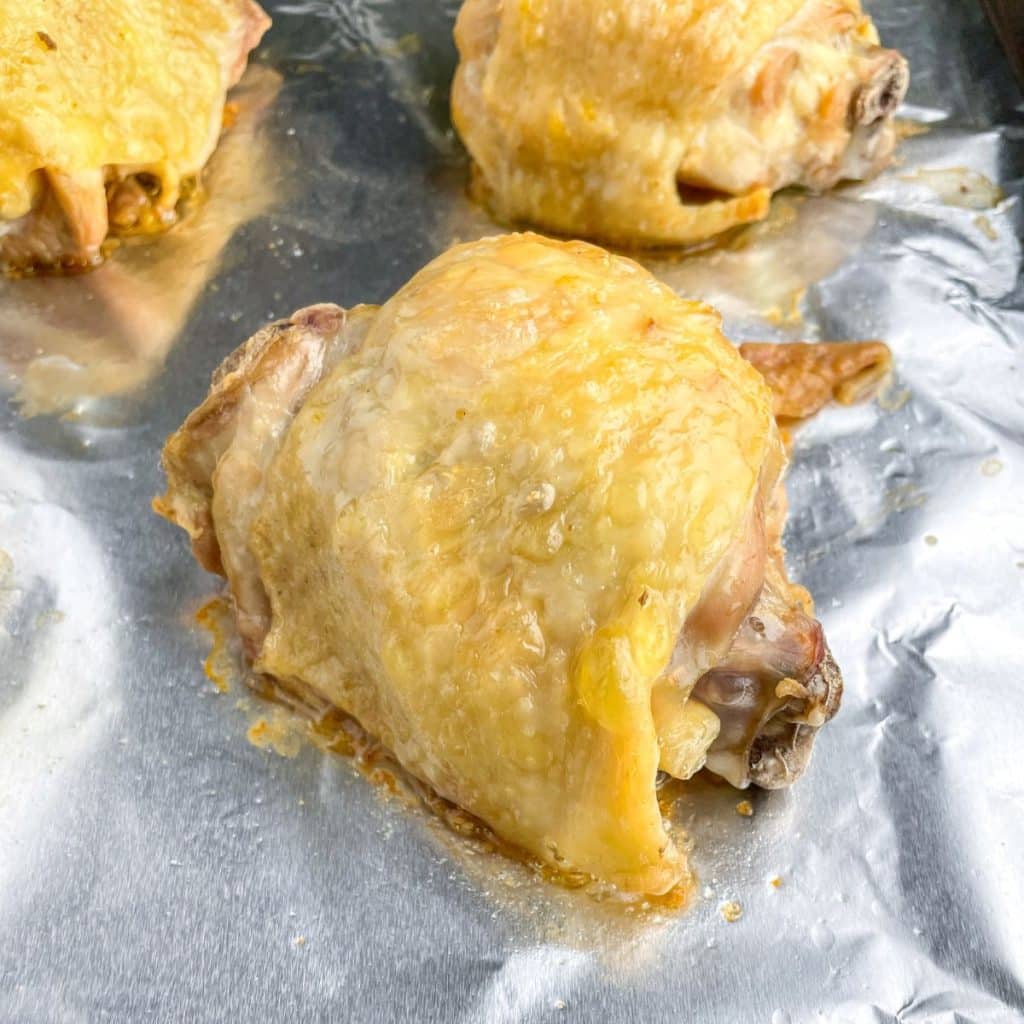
110 113
654 123
70 341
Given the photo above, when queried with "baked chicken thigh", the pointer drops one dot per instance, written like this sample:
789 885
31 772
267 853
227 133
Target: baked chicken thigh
110 111
523 522
655 123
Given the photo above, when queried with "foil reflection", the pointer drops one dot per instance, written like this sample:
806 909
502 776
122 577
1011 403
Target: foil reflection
762 271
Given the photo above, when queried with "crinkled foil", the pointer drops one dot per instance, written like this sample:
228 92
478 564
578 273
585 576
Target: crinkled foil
156 865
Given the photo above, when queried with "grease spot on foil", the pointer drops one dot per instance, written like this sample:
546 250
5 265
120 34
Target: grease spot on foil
984 225
731 911
991 467
958 186
789 314
6 582
281 731
904 497
907 130
48 617
892 398
405 46
223 664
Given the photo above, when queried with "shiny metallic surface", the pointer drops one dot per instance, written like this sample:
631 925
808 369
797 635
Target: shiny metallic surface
155 865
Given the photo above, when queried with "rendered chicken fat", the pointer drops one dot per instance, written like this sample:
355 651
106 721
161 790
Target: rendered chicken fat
663 123
515 521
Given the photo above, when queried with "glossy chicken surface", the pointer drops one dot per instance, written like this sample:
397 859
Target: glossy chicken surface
523 522
655 123
109 112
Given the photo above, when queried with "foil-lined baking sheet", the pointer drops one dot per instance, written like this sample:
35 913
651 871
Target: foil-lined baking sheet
157 865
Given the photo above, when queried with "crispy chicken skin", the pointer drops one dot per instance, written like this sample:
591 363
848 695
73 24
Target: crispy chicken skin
523 522
806 376
110 111
654 123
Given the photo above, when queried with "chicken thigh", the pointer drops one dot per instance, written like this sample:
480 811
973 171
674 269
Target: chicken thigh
523 522
654 123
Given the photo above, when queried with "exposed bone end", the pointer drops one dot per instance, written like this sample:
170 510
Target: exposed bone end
883 91
883 79
83 199
776 687
782 750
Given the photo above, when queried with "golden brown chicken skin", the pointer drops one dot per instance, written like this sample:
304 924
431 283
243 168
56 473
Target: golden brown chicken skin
654 123
523 522
110 112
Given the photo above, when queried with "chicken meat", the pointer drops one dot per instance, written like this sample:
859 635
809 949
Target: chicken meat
654 123
524 523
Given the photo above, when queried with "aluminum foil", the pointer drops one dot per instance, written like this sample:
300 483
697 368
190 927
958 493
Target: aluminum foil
155 865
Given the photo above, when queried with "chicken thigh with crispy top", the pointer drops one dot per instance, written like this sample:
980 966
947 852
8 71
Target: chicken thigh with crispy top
665 123
523 522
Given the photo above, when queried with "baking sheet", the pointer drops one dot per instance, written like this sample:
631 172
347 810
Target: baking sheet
155 865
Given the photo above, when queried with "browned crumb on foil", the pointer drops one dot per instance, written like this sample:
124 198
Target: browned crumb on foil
222 665
731 911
